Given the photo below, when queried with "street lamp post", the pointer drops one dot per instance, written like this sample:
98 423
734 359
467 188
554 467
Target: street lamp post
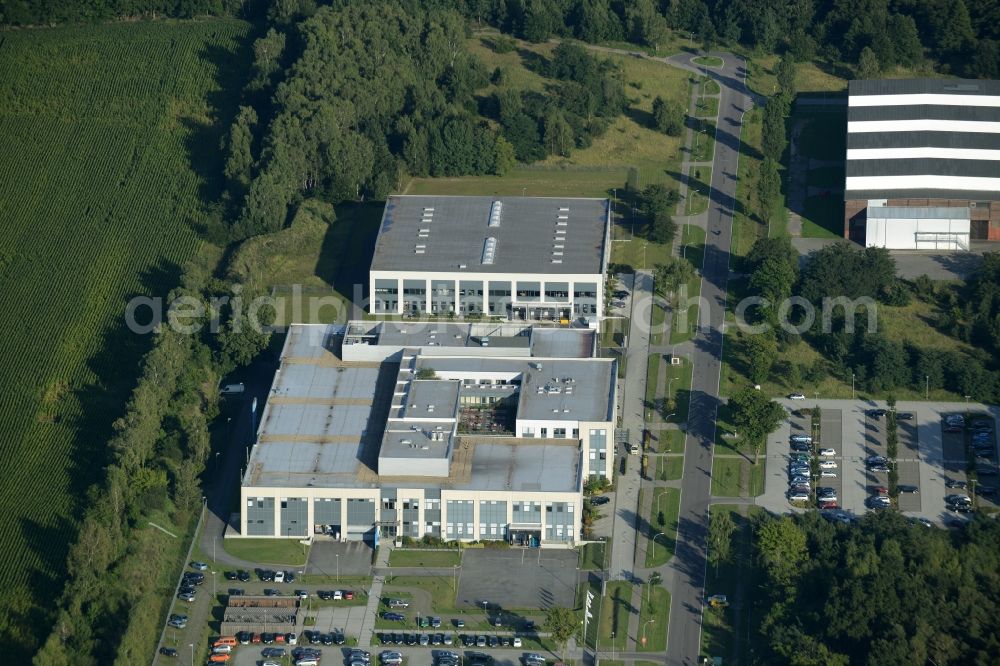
644 625
852 386
967 405
338 567
191 645
658 534
927 387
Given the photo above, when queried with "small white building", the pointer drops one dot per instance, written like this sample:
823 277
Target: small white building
917 228
517 258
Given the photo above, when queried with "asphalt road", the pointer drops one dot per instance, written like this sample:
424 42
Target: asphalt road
684 633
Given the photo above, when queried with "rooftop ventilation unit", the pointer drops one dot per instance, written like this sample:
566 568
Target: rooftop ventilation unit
496 210
562 209
489 250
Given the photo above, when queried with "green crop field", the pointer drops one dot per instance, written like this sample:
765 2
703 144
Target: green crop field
107 136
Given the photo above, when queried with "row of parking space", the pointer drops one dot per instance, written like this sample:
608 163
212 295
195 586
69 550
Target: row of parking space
928 459
815 459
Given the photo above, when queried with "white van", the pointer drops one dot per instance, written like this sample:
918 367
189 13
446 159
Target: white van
279 577
232 389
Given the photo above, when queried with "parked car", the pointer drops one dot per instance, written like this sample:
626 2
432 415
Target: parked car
599 500
827 452
168 652
199 566
796 396
799 446
827 464
806 439
230 575
186 596
955 483
905 416
243 576
798 496
908 489
397 603
394 617
828 474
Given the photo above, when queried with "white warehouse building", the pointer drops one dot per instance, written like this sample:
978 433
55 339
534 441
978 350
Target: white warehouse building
517 258
366 436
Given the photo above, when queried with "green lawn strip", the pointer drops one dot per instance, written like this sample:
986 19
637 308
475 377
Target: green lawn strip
704 141
267 551
717 632
725 442
440 588
614 612
693 249
659 550
699 184
668 440
708 61
614 331
669 468
679 395
656 327
711 87
653 619
757 477
746 225
535 182
423 558
652 376
592 556
823 217
726 477
640 253
706 107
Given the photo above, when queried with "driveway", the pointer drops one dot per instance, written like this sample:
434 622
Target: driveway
688 564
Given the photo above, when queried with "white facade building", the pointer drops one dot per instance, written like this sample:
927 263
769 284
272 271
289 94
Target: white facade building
917 228
361 435
522 258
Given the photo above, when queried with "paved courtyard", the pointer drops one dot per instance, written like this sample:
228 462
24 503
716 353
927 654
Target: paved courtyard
518 579
328 558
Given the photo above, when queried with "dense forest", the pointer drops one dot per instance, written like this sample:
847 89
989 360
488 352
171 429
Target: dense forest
962 35
880 591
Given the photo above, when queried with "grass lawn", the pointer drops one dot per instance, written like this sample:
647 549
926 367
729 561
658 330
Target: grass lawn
592 556
614 609
653 618
699 184
267 551
656 327
728 474
711 86
747 226
652 376
706 107
669 468
704 142
613 331
666 501
440 588
823 217
708 61
668 441
678 396
717 632
693 249
639 253
552 182
423 558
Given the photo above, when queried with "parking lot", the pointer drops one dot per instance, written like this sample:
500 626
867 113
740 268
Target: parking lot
332 558
926 457
518 579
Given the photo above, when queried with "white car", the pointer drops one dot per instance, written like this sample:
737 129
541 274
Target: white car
828 474
796 396
222 649
827 464
798 497
338 595
279 577
827 452
517 641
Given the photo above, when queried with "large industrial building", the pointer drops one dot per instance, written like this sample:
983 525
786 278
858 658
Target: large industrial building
516 258
923 163
467 431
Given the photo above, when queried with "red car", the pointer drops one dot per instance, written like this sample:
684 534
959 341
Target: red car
280 638
348 595
828 505
255 639
882 491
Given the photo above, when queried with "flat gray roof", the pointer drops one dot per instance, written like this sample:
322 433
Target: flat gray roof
562 342
923 86
534 467
421 334
444 233
918 213
413 440
566 390
587 396
432 398
299 464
